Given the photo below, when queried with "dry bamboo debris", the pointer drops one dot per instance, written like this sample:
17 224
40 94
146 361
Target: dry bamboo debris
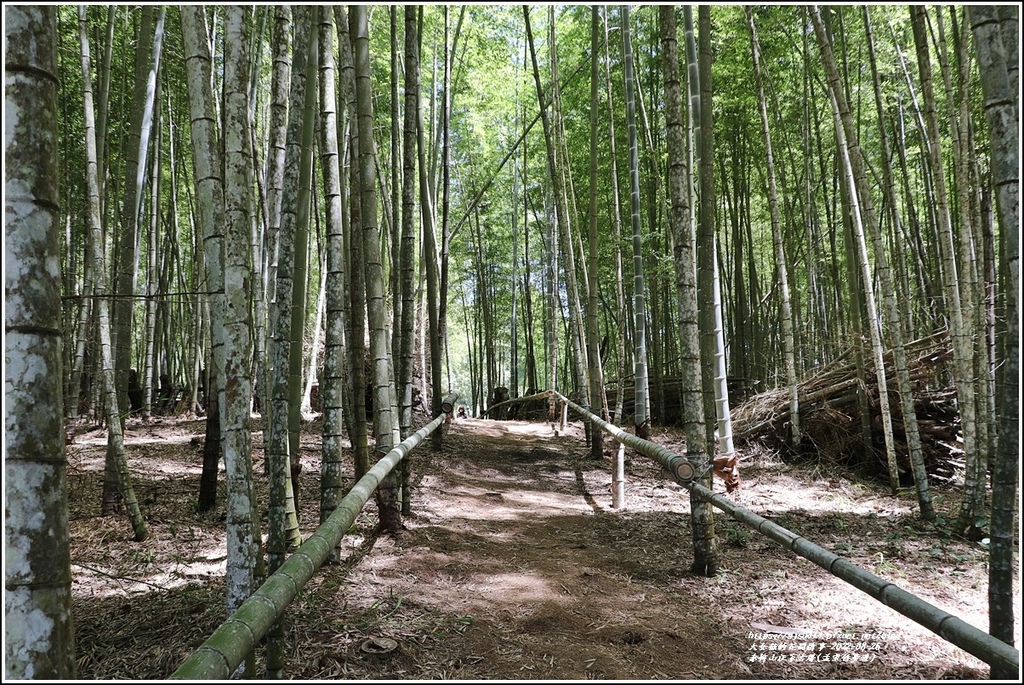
670 412
829 410
836 385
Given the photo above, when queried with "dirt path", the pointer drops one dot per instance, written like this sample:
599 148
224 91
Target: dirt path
516 556
514 566
512 535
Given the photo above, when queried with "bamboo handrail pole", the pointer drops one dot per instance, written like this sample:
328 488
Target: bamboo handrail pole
518 400
972 640
233 640
950 628
679 467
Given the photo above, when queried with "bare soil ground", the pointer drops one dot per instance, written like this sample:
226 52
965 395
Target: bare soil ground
514 566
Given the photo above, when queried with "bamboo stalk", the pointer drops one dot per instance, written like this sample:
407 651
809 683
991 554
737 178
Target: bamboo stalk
234 639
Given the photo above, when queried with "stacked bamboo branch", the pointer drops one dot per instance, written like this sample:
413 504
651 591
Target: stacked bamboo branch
831 421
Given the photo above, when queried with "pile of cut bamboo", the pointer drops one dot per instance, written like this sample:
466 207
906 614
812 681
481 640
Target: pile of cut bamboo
831 423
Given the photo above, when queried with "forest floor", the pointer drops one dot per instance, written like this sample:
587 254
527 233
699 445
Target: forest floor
514 566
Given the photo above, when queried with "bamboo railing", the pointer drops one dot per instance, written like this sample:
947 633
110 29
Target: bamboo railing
229 645
972 640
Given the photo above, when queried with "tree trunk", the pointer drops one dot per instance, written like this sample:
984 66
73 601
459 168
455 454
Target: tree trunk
894 319
236 391
154 284
126 270
288 323
407 255
562 182
972 506
550 240
640 419
430 259
532 380
705 239
260 230
788 341
593 339
357 289
513 220
390 515
863 212
38 624
705 542
396 206
407 252
446 154
117 474
719 395
302 127
332 388
995 35
226 259
306 406
620 296
972 253
277 145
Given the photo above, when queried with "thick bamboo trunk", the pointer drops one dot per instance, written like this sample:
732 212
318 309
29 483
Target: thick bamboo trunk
332 389
288 317
408 247
705 542
244 540
390 514
995 37
354 274
38 622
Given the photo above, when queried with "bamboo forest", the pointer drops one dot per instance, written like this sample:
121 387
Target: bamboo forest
511 342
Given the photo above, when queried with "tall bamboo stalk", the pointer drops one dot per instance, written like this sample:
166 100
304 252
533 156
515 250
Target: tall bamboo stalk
244 560
39 635
893 316
858 203
117 464
705 542
640 419
963 348
620 296
332 389
593 342
390 515
788 341
995 32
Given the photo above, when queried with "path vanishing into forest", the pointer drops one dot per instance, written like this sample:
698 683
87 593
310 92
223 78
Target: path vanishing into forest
514 536
514 566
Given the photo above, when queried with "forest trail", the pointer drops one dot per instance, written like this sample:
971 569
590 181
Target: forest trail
514 566
513 531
